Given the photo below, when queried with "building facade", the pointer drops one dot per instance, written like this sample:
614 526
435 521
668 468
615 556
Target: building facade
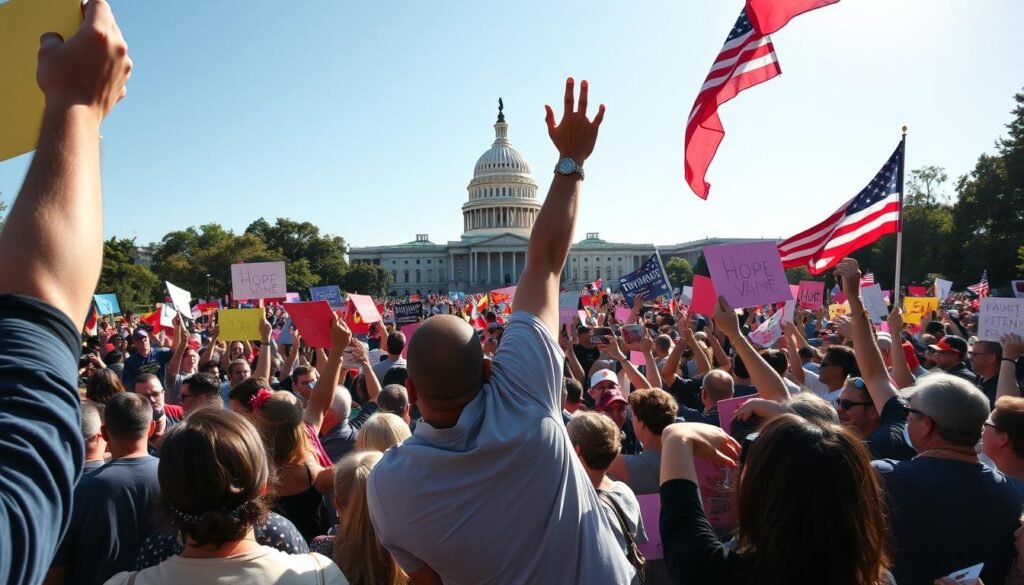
499 213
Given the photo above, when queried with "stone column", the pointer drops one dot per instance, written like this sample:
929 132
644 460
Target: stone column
501 268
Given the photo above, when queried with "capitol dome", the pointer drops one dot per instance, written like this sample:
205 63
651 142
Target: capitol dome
502 194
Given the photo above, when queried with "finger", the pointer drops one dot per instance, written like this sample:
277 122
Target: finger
50 40
584 86
569 95
549 119
724 459
600 115
99 16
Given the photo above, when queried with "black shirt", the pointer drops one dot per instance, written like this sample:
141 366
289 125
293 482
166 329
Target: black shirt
889 440
693 552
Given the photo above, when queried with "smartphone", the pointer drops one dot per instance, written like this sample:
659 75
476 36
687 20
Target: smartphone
632 333
602 336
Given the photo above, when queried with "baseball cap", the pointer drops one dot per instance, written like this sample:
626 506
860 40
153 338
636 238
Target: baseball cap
951 343
608 397
603 376
140 333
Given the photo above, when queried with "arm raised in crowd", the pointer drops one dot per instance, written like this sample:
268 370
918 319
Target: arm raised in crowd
574 137
634 376
869 357
211 345
323 393
767 381
796 365
51 249
901 373
179 346
263 364
1007 385
575 368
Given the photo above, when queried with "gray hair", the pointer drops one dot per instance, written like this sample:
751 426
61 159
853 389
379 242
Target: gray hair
91 420
342 403
957 407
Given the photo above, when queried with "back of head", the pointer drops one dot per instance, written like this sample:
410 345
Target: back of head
395 343
958 408
445 360
663 343
1008 417
103 385
393 398
840 536
213 471
843 357
382 431
247 389
814 408
127 417
808 353
341 404
395 376
91 420
719 385
655 408
573 390
279 419
202 384
777 359
357 549
596 436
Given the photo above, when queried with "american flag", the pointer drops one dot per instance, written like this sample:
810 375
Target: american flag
980 289
868 279
874 212
746 59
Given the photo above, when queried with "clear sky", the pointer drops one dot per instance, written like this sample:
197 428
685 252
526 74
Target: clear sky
366 118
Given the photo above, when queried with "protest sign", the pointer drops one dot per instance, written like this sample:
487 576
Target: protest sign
686 296
748 274
331 294
22 22
1000 316
107 304
650 512
622 314
637 358
704 296
258 280
1018 288
360 313
874 302
503 295
406 313
811 294
916 307
180 297
788 312
167 314
568 305
239 324
313 321
292 297
769 331
408 330
838 310
649 281
727 408
717 486
943 288
286 337
917 291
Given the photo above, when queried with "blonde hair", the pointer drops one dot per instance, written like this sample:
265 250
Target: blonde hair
357 550
381 431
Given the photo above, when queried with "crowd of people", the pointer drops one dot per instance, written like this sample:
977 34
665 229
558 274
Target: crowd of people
516 449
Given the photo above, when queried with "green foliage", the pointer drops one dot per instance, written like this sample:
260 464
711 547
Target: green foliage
795 275
367 279
296 241
679 271
136 286
701 267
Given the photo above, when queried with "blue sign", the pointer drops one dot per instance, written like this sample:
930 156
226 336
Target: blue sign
107 304
650 280
286 337
331 294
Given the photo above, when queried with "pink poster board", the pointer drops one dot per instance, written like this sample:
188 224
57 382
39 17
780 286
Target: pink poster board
704 296
409 330
748 274
811 294
726 408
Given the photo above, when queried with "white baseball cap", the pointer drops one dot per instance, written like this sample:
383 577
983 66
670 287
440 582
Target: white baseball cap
603 376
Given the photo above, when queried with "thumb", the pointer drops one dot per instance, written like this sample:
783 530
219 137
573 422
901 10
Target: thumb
50 40
549 118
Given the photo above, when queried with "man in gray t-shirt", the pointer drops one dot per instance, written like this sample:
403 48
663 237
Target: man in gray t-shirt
488 489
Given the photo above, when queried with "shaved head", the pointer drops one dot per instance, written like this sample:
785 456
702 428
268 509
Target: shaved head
445 360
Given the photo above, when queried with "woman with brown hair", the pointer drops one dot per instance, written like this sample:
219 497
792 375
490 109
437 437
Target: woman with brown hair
213 480
810 508
103 385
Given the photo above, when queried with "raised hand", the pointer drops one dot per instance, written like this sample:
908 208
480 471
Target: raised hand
725 319
341 335
895 321
709 442
575 135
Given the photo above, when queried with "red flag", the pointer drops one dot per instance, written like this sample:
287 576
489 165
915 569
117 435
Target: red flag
768 16
746 59
92 321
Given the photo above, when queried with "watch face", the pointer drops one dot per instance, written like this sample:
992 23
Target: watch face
566 166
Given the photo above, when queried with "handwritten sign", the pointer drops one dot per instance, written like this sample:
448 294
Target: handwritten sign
717 484
258 280
811 294
107 304
167 314
649 281
943 288
838 310
916 307
999 316
239 324
748 274
313 321
180 297
874 302
331 294
704 296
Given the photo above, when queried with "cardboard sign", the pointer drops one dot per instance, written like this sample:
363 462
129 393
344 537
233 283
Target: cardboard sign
769 331
969 575
943 288
107 304
406 313
622 314
292 297
650 512
874 302
360 312
22 22
313 320
167 314
788 312
838 311
568 306
811 294
717 485
637 358
916 307
239 324
1000 316
727 408
649 281
180 297
686 296
748 274
917 291
1018 288
409 330
331 294
286 336
704 296
258 280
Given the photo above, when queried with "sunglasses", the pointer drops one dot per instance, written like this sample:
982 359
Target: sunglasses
849 404
914 411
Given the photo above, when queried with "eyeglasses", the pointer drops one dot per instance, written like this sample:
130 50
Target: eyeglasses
991 424
857 383
914 411
849 404
975 353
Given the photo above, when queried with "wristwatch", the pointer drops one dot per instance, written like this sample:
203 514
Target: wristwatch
568 166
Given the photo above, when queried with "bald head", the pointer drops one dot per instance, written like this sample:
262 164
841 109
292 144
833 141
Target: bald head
718 385
445 360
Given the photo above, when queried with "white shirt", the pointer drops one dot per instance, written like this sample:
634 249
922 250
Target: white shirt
264 565
814 384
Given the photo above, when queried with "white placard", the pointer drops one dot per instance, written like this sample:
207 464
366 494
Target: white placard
874 302
181 298
999 316
943 288
1018 288
788 311
258 280
167 314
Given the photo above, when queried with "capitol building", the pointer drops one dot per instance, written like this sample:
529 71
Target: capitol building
497 217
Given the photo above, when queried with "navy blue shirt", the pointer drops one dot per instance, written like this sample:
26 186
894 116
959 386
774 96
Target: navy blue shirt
41 446
154 363
889 440
948 515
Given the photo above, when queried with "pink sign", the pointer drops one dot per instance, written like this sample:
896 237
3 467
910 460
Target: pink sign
749 274
313 320
622 314
367 310
292 297
637 358
811 294
650 512
839 297
717 485
727 408
408 330
704 296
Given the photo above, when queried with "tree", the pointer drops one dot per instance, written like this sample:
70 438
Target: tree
796 274
295 241
367 279
701 267
925 184
136 286
679 271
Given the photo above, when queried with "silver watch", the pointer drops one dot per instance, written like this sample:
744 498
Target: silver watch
568 166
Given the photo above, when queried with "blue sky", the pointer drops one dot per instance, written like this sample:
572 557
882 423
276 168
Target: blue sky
366 118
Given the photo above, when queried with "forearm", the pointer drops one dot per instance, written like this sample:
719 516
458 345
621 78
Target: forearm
901 373
633 375
701 357
553 230
59 210
796 365
263 363
372 383
653 375
211 345
1007 385
321 361
767 381
575 368
673 361
720 356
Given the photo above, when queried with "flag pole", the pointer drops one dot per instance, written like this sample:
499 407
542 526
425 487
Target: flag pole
899 225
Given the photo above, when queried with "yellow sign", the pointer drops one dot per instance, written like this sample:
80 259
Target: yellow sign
22 22
838 310
239 324
916 307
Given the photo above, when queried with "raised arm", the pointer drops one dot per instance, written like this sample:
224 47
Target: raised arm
574 137
363 357
211 345
575 368
180 344
323 393
632 374
703 363
901 373
869 357
651 367
1012 347
796 365
263 365
767 381
293 352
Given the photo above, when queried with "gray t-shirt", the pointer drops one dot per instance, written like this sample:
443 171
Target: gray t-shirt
500 497
643 472
626 499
